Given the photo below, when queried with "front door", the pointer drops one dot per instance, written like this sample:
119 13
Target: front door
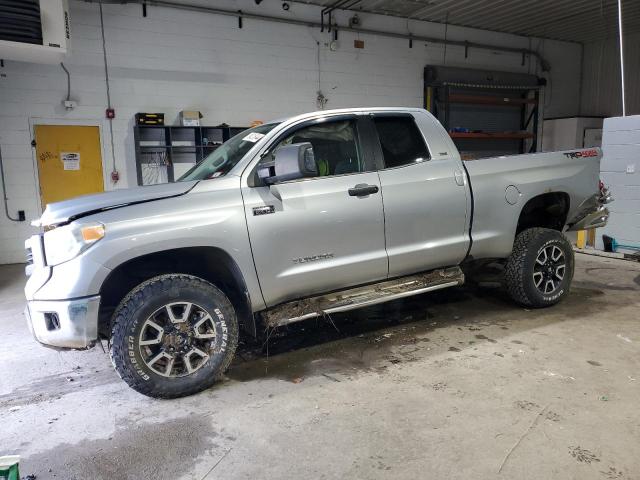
313 235
69 161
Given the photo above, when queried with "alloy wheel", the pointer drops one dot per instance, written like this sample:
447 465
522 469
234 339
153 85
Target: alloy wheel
177 339
549 269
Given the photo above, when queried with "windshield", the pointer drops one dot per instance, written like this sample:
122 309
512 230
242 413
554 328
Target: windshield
227 155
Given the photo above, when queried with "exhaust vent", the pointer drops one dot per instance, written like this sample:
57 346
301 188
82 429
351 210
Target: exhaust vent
20 21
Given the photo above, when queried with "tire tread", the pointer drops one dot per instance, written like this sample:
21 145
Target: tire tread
514 273
136 299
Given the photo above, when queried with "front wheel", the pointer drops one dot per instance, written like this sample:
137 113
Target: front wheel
173 336
540 268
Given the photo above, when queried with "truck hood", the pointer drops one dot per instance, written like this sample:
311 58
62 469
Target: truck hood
69 210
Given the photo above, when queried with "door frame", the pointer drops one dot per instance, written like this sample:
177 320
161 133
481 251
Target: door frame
68 122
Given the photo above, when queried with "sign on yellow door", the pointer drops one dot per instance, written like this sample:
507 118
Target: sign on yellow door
69 161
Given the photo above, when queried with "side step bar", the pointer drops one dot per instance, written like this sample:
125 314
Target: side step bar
358 297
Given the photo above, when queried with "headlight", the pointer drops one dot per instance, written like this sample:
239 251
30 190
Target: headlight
64 243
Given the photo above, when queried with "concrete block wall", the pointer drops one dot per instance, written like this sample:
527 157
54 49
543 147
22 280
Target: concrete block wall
621 172
174 60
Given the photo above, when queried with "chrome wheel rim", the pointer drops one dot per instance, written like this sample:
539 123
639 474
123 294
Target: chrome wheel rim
549 269
176 340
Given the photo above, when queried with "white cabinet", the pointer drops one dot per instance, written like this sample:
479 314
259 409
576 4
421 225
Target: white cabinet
568 133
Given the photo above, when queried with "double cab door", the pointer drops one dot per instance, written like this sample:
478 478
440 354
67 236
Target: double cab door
374 211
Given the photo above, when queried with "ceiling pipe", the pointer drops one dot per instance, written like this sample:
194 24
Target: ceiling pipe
544 64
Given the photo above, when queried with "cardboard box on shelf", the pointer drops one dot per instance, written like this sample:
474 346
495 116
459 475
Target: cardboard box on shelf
190 118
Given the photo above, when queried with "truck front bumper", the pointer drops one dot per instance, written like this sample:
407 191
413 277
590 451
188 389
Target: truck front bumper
66 324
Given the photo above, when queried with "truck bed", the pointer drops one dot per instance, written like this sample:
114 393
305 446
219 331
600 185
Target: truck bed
497 181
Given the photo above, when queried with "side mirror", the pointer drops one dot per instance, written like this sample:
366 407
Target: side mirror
290 162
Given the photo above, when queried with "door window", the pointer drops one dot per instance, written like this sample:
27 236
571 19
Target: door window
336 147
400 140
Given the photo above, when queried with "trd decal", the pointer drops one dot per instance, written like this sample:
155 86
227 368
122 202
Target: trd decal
582 154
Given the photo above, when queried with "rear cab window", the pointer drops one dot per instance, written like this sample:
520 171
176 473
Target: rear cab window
400 140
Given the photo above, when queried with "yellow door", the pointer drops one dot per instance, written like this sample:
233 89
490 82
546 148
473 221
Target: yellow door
69 161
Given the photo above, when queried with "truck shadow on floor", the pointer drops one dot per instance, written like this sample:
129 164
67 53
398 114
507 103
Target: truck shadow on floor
374 338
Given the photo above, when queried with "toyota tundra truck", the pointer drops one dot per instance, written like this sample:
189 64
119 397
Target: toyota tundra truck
293 219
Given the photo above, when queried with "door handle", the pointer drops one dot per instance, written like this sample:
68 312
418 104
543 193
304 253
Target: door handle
459 176
362 190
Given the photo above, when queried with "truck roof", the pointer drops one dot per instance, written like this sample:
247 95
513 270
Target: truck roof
346 110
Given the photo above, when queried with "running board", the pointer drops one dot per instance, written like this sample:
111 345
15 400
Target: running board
359 297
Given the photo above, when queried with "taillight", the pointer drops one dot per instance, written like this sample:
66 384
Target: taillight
605 195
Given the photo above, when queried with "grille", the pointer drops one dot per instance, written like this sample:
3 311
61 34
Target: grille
20 21
29 256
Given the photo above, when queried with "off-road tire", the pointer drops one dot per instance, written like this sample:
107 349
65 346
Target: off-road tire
519 270
148 297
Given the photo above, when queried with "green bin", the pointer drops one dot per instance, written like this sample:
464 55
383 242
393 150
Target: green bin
9 467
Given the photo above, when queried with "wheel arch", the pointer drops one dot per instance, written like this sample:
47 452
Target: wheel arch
209 263
547 210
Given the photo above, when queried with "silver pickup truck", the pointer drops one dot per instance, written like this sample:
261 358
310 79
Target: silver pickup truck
319 213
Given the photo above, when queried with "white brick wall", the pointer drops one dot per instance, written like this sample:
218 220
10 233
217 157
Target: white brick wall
621 149
174 60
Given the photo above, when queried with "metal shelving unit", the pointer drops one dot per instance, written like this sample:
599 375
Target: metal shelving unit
160 147
486 113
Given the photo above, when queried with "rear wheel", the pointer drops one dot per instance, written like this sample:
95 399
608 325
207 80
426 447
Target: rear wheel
173 336
540 268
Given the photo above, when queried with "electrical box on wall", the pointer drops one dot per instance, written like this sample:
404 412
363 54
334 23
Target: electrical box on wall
35 31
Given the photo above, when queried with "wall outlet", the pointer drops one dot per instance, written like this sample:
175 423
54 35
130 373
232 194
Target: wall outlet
70 104
631 168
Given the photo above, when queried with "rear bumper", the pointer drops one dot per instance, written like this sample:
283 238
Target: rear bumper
594 219
66 324
592 213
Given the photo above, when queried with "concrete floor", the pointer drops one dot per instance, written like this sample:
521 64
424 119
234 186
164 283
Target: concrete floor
453 384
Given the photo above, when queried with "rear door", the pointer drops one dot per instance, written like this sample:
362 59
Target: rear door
314 235
425 194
